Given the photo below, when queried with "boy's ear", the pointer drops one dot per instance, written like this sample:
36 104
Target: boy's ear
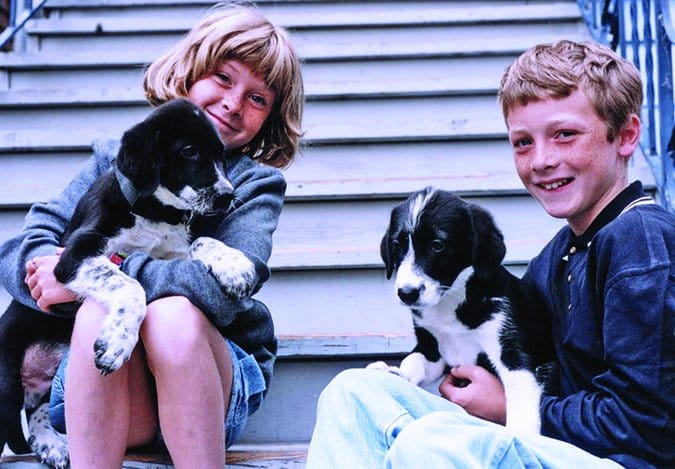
629 136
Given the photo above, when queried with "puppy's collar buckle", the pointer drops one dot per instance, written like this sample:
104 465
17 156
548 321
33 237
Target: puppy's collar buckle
188 217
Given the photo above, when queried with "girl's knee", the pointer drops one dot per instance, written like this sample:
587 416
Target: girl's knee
173 330
88 322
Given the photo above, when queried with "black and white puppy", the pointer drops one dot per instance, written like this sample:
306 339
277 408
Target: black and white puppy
466 307
168 171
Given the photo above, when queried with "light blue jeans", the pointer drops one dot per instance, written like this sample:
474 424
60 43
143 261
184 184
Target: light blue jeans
372 419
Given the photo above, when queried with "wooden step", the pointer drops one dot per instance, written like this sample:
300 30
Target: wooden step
36 72
298 16
377 116
320 13
346 234
292 456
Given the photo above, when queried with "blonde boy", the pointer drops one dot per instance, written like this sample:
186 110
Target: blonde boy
572 115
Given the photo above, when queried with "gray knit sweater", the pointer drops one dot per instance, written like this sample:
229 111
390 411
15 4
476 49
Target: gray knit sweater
247 226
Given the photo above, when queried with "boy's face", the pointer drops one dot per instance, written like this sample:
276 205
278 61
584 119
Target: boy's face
563 157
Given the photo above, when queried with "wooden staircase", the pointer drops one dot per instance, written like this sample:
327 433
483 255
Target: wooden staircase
400 95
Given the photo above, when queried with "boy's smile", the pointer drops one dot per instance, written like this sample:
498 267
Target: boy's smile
564 159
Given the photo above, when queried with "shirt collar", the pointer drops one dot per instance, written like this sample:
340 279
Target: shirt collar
628 198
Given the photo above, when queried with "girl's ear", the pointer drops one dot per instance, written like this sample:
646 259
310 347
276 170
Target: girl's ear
629 136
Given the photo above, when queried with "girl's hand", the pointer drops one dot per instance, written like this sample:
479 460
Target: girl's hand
43 286
477 390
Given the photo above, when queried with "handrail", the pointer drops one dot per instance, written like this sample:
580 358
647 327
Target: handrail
18 17
643 31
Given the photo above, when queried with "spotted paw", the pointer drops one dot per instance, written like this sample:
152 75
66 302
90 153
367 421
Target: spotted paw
49 446
117 340
233 270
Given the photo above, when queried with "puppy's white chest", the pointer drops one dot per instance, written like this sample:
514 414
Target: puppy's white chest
457 344
159 240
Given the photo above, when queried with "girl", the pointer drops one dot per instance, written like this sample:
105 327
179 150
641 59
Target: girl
204 360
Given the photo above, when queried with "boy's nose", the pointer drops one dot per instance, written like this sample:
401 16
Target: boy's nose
543 157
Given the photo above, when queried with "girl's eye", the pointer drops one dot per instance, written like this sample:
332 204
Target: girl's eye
223 77
259 100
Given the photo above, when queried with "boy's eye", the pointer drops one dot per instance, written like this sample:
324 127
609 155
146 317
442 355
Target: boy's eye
566 133
522 142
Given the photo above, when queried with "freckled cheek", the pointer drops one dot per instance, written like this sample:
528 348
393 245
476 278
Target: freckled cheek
522 168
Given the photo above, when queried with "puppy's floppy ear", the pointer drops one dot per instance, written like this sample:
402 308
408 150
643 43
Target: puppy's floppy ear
488 248
389 247
139 159
387 253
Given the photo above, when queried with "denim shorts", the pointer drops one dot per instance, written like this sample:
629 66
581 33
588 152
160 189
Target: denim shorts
248 386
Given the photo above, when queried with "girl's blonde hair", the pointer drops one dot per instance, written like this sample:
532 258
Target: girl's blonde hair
611 83
238 31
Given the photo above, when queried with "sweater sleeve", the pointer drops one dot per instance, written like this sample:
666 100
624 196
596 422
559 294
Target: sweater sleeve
46 222
627 411
248 226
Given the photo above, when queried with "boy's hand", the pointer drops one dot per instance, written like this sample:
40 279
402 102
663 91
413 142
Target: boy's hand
477 390
43 286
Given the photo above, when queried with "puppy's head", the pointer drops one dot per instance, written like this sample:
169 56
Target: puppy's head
176 155
432 238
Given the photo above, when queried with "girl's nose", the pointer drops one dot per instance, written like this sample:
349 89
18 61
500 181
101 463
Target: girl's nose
232 102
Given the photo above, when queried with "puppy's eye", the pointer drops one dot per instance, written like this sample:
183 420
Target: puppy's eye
437 245
189 152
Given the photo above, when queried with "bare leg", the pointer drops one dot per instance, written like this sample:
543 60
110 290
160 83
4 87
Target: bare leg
98 408
193 374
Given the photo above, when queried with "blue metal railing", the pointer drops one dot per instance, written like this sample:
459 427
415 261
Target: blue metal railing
643 31
20 11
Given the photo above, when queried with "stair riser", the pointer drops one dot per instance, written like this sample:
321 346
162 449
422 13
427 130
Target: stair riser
351 41
388 112
346 76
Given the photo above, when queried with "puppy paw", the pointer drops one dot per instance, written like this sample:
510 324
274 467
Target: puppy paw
111 353
49 446
113 347
234 271
382 366
118 337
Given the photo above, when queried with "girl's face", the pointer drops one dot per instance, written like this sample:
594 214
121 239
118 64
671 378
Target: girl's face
237 101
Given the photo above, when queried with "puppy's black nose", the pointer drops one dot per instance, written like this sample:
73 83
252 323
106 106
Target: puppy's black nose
409 295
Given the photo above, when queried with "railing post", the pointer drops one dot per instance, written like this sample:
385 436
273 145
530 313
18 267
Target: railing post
17 18
664 48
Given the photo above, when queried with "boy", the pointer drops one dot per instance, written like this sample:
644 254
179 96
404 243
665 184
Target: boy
571 111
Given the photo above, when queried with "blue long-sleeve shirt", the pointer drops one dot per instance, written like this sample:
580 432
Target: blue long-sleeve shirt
611 293
248 226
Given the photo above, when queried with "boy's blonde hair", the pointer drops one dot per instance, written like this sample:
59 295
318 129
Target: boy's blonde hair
611 83
238 31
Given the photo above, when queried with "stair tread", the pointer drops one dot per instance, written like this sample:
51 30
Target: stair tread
250 456
314 15
133 96
309 52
